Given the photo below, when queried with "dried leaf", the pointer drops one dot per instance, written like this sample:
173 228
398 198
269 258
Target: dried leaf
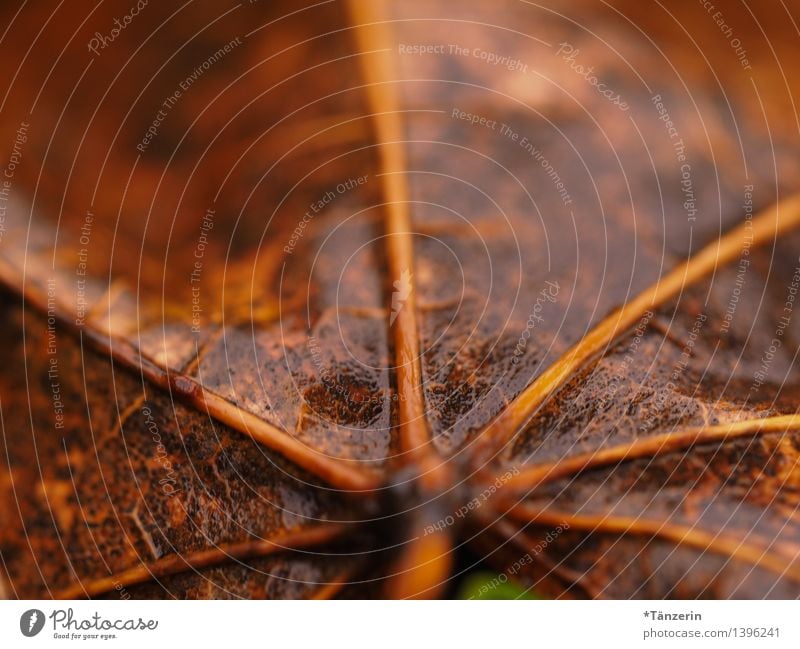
302 298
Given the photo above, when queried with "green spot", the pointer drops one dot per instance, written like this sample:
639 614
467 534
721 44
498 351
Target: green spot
489 585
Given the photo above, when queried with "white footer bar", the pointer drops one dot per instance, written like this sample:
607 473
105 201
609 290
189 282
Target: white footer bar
385 625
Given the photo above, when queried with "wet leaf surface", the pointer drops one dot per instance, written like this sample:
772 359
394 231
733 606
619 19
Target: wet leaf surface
300 299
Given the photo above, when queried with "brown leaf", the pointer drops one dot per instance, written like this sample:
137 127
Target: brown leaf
300 299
